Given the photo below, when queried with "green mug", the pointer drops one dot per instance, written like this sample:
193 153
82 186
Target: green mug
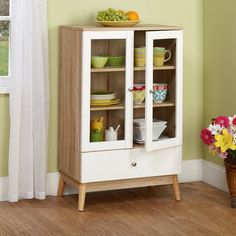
159 56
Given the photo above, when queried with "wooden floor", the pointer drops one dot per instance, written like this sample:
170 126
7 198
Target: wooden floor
203 210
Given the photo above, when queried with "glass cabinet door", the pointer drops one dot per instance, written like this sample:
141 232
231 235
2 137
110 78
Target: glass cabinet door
107 75
163 102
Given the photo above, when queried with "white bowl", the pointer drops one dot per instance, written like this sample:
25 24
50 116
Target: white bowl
139 129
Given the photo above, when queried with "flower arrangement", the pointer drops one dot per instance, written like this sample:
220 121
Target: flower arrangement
220 136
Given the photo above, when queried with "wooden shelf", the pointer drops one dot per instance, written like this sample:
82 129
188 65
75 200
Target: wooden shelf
108 69
113 107
170 67
122 68
136 106
163 104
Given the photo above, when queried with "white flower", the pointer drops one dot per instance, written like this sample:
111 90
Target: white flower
234 138
215 129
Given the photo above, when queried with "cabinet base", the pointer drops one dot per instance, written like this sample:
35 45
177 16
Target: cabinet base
116 184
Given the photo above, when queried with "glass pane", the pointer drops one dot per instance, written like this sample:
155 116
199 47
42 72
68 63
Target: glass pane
164 84
4 47
107 90
139 88
4 8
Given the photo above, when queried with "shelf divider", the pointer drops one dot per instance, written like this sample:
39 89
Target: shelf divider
103 108
122 68
136 106
163 104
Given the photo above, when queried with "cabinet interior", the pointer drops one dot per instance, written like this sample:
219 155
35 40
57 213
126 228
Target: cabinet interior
115 81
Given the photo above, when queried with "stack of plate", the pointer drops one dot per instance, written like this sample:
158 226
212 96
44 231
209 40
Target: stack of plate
104 98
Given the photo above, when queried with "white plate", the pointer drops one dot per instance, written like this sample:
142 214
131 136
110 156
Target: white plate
103 96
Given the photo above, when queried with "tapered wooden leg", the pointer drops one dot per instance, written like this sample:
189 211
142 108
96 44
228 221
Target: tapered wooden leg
61 186
176 188
82 195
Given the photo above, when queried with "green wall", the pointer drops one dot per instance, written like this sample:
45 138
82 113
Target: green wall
4 133
219 62
188 14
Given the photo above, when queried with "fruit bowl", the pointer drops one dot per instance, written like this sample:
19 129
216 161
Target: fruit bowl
98 61
119 23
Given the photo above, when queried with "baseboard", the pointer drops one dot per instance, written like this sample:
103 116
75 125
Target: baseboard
214 175
191 171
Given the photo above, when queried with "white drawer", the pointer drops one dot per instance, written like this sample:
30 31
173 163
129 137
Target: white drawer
127 164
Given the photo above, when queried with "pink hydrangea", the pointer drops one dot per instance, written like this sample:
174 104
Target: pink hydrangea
222 121
206 136
234 121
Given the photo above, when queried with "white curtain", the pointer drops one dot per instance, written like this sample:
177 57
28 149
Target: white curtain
28 100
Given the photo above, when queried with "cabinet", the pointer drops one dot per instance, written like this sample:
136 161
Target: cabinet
122 163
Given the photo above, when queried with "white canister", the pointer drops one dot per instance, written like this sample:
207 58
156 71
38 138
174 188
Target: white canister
110 134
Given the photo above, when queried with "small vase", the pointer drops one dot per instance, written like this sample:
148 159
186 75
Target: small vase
230 166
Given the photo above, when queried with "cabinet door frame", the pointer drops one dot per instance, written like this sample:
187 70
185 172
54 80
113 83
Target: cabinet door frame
151 145
87 37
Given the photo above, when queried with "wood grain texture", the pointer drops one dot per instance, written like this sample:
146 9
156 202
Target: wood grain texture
82 195
144 211
70 102
176 188
61 186
139 27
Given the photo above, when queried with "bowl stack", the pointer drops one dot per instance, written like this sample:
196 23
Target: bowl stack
139 56
139 129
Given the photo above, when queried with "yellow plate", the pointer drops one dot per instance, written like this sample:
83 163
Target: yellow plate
119 23
102 103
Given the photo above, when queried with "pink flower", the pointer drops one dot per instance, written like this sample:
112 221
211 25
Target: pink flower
206 136
222 121
234 121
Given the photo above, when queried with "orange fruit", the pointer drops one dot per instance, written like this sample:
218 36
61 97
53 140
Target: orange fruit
133 15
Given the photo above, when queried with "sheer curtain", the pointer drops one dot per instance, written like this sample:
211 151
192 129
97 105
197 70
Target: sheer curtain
28 100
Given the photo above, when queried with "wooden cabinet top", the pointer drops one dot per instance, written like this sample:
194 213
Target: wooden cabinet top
139 27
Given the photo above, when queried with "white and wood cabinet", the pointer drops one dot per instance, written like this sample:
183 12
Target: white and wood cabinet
107 165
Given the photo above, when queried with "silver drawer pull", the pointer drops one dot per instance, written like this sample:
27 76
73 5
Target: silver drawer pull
151 91
134 164
131 89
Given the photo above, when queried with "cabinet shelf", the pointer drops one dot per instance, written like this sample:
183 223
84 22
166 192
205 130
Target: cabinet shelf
136 106
163 104
169 67
122 68
103 108
108 69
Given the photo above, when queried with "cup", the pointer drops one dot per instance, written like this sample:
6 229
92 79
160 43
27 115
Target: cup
139 96
139 56
159 92
159 56
97 130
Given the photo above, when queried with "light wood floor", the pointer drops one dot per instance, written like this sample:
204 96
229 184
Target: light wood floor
203 210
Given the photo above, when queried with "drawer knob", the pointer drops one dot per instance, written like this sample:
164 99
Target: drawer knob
134 164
